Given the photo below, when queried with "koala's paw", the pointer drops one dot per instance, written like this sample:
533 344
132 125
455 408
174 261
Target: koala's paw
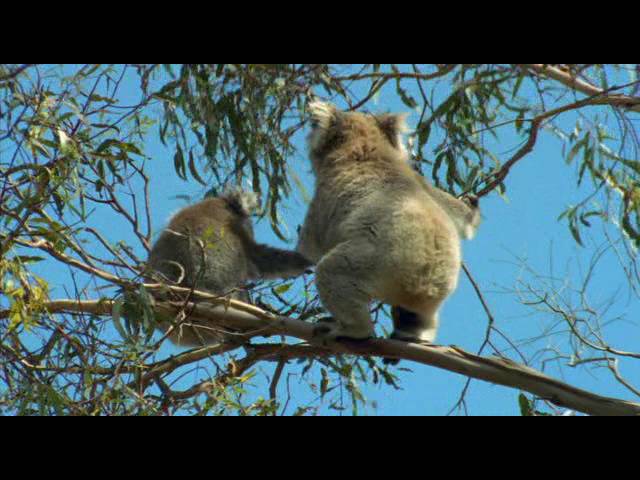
328 331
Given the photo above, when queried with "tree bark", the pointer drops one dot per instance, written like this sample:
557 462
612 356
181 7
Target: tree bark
500 371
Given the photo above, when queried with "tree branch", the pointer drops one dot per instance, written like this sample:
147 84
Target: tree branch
232 313
14 73
602 97
568 79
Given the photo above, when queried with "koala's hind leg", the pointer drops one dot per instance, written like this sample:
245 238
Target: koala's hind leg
416 327
340 277
413 327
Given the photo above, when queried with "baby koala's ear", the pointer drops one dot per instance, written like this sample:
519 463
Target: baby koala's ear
241 202
322 114
393 126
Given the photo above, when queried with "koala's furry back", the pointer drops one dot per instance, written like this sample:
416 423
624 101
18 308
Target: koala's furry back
203 248
204 239
210 246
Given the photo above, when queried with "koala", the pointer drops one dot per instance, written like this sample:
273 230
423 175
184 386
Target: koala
210 246
377 230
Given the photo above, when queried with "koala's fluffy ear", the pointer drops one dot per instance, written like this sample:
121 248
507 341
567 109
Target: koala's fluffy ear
241 202
322 114
393 126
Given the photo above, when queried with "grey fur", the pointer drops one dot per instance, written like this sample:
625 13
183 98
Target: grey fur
210 246
376 229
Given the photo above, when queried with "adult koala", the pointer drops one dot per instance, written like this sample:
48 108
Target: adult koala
377 230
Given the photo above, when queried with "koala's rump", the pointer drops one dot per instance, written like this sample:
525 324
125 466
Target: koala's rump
412 245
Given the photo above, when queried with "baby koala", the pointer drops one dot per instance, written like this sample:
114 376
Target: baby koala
210 246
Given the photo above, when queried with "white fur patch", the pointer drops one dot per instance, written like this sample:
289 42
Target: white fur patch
470 232
402 128
402 146
401 125
248 200
322 113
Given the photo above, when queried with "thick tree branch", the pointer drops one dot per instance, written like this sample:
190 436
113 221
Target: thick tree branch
231 313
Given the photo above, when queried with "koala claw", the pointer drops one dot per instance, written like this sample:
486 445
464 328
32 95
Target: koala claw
331 331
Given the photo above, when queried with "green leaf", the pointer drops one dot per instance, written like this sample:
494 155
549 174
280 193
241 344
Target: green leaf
526 409
29 259
575 232
436 167
99 98
165 92
116 315
517 86
106 144
424 130
576 148
194 170
407 99
179 164
282 288
129 147
324 383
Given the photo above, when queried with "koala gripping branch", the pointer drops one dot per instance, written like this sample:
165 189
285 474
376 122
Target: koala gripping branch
500 371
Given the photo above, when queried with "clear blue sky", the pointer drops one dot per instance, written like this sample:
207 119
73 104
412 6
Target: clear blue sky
524 226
